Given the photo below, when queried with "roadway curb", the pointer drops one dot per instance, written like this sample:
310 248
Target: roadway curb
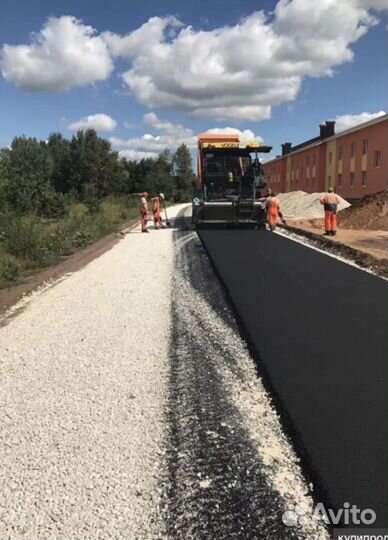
379 266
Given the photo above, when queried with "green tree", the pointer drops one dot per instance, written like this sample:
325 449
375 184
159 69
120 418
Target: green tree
28 188
161 180
59 150
4 157
95 170
183 173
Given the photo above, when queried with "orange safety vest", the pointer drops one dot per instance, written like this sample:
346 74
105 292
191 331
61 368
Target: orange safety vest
273 205
155 205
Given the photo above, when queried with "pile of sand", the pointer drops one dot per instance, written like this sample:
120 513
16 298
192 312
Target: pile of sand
369 213
302 205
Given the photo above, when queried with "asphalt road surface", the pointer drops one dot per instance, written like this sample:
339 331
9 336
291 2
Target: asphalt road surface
319 331
232 472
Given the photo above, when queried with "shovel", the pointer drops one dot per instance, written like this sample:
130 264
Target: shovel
168 223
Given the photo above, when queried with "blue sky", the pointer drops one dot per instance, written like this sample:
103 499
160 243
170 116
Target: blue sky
287 103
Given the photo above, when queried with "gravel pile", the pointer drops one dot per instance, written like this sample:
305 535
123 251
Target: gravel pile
302 205
83 386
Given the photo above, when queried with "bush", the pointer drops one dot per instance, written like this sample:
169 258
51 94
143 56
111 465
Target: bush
25 238
77 211
10 268
29 242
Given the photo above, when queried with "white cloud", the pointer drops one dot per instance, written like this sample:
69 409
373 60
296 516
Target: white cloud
229 73
240 72
133 44
347 121
137 155
167 135
99 122
65 53
246 135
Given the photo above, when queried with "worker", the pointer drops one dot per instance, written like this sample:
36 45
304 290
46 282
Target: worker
330 203
273 210
144 211
156 207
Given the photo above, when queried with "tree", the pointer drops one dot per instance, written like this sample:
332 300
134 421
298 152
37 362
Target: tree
59 150
4 157
161 181
95 171
28 188
183 173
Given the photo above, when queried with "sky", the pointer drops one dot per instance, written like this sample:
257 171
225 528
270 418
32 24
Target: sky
153 74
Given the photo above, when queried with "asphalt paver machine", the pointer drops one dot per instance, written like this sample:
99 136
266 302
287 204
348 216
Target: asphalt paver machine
230 182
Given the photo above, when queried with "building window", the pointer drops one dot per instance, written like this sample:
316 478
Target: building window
308 160
307 182
339 153
352 179
353 149
377 158
313 160
340 180
364 178
329 180
330 157
364 146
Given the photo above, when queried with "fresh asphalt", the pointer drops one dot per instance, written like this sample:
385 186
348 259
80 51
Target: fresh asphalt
319 331
220 486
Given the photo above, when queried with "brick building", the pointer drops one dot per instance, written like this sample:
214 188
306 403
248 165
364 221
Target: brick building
354 162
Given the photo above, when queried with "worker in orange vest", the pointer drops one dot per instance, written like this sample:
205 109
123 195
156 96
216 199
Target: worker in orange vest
330 203
273 210
144 211
156 207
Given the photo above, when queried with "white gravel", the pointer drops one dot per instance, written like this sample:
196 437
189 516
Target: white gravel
83 376
302 205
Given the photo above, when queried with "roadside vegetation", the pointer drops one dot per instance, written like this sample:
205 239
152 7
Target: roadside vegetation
60 195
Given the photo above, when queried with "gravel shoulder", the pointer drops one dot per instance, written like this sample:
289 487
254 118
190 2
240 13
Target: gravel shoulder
84 372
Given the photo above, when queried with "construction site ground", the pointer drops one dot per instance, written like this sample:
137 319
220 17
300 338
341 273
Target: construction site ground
184 386
370 242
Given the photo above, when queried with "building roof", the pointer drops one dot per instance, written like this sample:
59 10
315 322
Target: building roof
364 125
316 141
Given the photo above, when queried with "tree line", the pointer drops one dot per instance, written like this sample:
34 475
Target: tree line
42 177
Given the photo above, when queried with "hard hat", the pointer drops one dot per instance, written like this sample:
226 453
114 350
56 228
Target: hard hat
330 190
161 195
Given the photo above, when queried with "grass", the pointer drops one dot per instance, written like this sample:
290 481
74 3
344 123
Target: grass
28 243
